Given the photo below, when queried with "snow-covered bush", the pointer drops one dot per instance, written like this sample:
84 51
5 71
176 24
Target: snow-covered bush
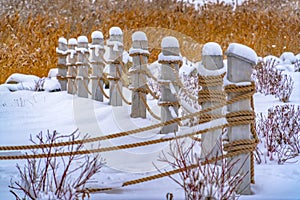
279 133
285 88
57 178
270 81
297 65
204 181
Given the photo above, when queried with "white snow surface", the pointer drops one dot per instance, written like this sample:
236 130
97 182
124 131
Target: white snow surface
115 31
139 36
52 73
288 57
82 39
169 41
242 51
62 40
212 49
72 41
97 34
17 77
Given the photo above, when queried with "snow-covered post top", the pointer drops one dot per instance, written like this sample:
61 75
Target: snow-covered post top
97 64
72 45
82 50
140 54
71 63
115 44
171 61
240 60
62 51
210 77
212 56
97 46
82 66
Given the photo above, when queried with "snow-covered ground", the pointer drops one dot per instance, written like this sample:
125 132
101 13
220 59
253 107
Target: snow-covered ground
24 113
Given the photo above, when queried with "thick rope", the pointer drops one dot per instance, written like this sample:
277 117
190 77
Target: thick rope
101 88
121 93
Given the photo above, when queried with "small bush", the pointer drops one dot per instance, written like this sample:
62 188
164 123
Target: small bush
270 81
279 132
210 181
56 177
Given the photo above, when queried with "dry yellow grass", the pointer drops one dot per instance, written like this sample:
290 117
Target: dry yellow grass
29 32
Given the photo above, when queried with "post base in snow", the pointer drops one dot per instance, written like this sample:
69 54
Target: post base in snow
138 109
165 116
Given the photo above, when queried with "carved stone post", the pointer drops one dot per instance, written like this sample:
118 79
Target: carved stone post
115 44
97 64
62 51
240 62
210 76
171 60
140 54
82 77
71 63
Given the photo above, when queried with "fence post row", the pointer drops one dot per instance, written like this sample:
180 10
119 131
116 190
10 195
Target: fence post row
240 60
210 78
139 53
82 78
97 65
115 44
71 63
171 60
61 52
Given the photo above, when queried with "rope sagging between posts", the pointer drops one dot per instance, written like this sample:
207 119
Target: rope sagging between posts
130 132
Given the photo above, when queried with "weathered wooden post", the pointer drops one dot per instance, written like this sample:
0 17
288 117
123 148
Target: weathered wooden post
240 60
115 44
71 63
97 64
82 78
170 60
61 52
140 54
210 76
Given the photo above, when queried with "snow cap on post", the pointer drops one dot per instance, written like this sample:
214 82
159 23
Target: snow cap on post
62 40
212 49
139 36
169 41
97 35
115 31
72 41
82 39
243 52
62 45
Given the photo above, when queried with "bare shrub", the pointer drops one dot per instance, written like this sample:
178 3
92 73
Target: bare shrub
297 65
56 177
279 133
204 181
285 88
270 81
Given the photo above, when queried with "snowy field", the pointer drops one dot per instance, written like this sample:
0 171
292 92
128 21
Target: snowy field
24 113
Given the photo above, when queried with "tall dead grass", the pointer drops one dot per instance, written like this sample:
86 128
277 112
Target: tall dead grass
29 29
